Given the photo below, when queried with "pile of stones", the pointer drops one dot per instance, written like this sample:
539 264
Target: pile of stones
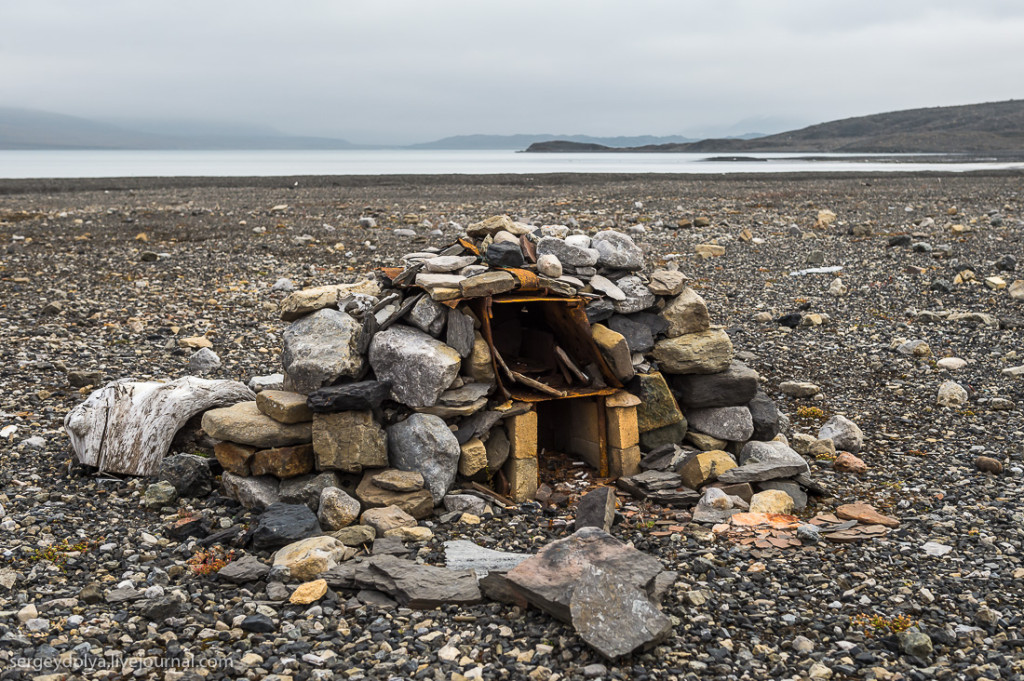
390 392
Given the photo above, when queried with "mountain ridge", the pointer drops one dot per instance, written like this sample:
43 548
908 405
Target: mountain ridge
989 127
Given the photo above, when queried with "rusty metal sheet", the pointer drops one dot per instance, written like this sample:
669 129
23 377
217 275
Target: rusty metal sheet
392 272
522 394
528 281
514 298
469 246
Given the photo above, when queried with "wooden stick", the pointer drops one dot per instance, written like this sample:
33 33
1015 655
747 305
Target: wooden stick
504 367
564 356
537 385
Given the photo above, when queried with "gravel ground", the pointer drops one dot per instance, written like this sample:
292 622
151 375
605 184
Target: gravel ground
106 275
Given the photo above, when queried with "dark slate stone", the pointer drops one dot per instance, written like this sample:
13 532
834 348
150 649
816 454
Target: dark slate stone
248 568
656 323
189 474
159 609
1006 263
596 509
188 527
941 285
460 334
504 254
791 320
901 240
672 434
361 396
766 417
306 489
477 425
759 472
638 336
735 386
420 587
599 310
258 624
282 524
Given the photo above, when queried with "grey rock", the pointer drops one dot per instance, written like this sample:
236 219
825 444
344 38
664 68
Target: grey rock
355 535
449 263
846 434
497 446
282 524
460 554
638 336
159 609
808 533
567 253
599 310
638 296
916 644
259 492
596 509
464 502
306 489
765 414
321 348
759 472
189 474
258 624
268 382
613 615
671 434
420 587
549 266
337 509
724 423
605 286
617 251
418 367
460 334
770 452
548 579
284 285
428 316
735 386
248 568
424 443
157 495
203 361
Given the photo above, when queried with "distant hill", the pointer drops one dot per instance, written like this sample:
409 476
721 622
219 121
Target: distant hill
524 140
30 129
974 128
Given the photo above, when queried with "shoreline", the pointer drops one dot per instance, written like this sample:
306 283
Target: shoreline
13 186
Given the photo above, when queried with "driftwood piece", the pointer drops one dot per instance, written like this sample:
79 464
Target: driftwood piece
538 386
127 427
571 365
501 363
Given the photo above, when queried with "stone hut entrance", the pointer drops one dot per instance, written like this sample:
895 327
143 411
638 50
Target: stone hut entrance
544 354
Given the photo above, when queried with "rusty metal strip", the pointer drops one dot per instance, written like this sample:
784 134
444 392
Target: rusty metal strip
392 272
528 281
470 246
602 437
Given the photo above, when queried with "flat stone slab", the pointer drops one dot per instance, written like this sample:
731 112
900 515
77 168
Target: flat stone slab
548 579
245 424
460 554
759 472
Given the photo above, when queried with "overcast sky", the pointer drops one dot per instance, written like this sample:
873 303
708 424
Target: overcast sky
414 70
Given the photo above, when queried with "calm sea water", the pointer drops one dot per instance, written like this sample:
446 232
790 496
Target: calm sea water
66 164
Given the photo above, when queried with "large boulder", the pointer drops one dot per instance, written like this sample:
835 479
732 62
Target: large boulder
418 366
424 443
245 424
686 313
771 452
419 503
735 386
617 251
306 489
349 441
704 352
548 579
658 407
724 423
320 349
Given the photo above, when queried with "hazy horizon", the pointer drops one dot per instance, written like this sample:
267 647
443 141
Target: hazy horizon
403 72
